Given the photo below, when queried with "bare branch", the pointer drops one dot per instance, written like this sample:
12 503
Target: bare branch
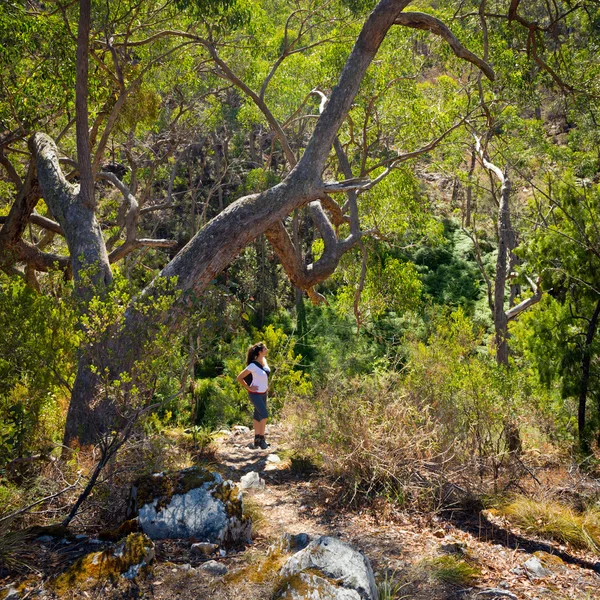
129 246
525 304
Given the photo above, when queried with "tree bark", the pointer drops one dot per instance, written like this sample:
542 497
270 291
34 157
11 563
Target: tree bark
585 378
500 317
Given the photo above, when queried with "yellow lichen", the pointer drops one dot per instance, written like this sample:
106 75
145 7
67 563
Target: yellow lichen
164 486
97 567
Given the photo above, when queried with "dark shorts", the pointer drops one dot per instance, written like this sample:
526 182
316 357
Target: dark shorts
260 405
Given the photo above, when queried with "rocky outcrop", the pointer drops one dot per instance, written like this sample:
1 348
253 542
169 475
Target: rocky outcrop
193 503
126 559
327 569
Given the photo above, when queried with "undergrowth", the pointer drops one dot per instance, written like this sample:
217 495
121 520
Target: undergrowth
556 522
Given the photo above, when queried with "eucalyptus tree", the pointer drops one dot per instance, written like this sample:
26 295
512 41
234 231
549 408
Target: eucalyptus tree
124 53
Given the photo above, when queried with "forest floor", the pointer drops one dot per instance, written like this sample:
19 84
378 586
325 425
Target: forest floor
404 548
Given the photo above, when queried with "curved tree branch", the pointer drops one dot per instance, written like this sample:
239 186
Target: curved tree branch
418 20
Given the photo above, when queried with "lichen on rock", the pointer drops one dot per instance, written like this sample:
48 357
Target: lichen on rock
127 559
193 503
329 567
309 586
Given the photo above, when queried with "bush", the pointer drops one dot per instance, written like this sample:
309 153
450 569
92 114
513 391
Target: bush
370 437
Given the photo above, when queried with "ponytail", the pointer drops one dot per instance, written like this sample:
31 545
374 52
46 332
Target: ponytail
253 352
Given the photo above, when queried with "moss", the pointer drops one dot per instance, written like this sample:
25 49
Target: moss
267 568
304 583
164 486
229 493
450 569
98 567
549 560
124 529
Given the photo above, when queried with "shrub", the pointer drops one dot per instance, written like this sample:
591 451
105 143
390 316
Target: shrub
370 437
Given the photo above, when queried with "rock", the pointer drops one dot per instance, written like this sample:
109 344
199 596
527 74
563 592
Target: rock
550 561
204 548
44 539
291 543
252 481
126 559
273 458
212 567
186 567
535 569
307 586
459 548
328 566
239 429
11 593
193 503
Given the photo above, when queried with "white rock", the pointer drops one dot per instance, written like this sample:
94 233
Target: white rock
238 429
338 561
496 593
206 508
312 587
273 458
535 569
252 480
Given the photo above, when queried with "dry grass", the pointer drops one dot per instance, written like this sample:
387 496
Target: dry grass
15 549
371 439
254 510
556 522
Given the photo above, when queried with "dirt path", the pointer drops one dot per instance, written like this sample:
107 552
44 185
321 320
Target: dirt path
401 545
407 549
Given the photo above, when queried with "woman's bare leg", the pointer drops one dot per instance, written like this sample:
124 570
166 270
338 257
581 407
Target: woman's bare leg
260 427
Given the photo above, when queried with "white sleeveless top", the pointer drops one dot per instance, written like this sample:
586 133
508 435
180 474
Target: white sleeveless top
259 378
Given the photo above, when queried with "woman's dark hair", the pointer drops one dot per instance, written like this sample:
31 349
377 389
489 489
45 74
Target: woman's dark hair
253 352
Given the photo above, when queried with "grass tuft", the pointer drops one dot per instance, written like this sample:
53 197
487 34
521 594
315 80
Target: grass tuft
389 588
451 569
254 511
556 522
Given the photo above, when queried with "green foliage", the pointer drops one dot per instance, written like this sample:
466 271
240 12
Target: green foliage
451 569
37 357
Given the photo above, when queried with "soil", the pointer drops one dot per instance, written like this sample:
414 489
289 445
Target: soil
401 546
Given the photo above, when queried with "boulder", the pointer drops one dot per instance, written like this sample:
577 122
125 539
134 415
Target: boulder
204 548
327 569
125 559
193 503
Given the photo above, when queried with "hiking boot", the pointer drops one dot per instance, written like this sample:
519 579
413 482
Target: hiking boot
257 441
263 444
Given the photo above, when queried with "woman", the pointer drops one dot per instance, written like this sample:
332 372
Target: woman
254 378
